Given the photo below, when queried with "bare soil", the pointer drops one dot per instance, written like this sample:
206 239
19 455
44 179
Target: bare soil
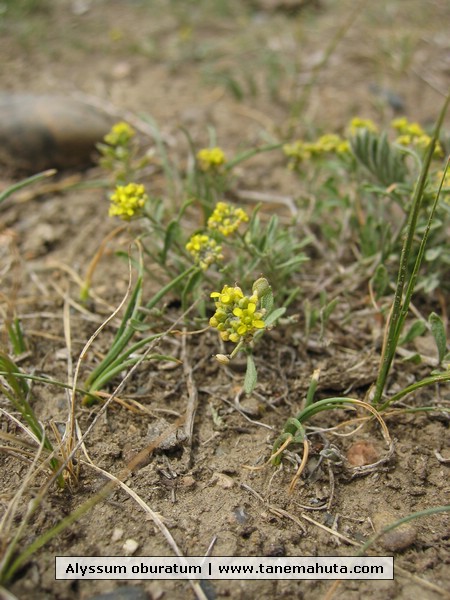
173 61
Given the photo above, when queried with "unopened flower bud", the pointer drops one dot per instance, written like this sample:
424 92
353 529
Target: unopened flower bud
222 359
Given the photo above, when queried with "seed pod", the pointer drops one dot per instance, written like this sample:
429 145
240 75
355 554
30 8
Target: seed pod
261 287
222 359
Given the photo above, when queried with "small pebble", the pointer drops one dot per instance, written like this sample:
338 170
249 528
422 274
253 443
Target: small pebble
240 515
130 547
121 70
160 433
222 481
274 549
117 534
80 7
399 539
187 481
362 453
251 407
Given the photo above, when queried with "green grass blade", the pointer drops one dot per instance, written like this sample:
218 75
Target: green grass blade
401 303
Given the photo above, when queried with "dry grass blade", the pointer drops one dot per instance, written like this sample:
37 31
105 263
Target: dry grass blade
301 467
192 404
6 524
71 421
281 449
21 426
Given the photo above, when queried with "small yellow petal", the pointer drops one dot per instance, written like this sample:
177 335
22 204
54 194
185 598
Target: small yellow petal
251 308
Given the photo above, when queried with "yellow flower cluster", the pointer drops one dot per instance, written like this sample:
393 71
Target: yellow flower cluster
237 318
330 142
300 151
405 127
127 201
211 159
358 123
226 218
120 134
205 250
412 134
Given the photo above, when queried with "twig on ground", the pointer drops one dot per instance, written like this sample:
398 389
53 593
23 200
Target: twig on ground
441 459
280 512
192 402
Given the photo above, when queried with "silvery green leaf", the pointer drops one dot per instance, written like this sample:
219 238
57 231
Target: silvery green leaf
251 376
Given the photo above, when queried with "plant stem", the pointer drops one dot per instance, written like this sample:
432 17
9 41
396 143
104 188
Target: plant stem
400 305
250 153
433 379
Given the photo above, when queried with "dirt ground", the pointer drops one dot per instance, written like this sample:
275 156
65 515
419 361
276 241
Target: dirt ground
237 67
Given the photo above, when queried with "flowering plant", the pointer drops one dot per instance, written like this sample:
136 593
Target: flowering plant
240 319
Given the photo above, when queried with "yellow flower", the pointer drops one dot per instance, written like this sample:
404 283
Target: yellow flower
127 201
228 295
343 147
405 127
404 140
300 151
226 218
412 134
204 249
400 124
237 318
120 134
297 152
422 141
327 143
415 130
211 159
116 34
357 123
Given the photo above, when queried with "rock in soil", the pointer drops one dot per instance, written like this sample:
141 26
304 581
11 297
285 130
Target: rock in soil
39 132
362 453
398 539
